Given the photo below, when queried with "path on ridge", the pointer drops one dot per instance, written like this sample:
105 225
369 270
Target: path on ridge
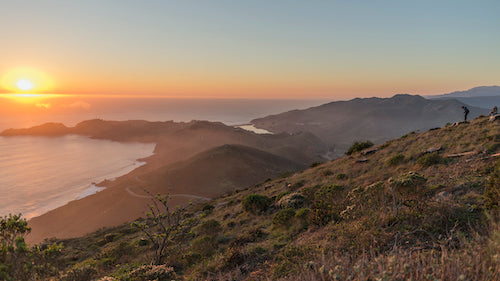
132 193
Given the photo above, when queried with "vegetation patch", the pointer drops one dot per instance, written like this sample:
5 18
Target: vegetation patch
396 160
430 159
358 146
255 203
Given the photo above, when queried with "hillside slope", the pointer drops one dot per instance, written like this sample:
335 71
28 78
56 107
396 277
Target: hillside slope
419 207
221 169
341 123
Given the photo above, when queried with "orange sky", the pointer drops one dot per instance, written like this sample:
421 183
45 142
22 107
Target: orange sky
329 49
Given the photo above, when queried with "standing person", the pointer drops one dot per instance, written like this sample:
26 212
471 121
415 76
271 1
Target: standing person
466 112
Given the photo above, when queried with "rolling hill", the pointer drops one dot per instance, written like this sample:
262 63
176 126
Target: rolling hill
341 123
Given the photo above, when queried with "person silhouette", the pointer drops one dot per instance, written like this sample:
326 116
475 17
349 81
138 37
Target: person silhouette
494 111
466 112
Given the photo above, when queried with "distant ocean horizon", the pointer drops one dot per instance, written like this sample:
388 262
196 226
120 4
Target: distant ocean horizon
72 110
38 174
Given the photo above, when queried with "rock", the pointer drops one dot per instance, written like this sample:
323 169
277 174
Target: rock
442 196
469 153
369 151
362 160
293 200
433 149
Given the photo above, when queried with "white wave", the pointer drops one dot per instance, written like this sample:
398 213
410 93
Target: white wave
92 189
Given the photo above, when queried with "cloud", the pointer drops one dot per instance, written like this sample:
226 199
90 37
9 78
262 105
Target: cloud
43 105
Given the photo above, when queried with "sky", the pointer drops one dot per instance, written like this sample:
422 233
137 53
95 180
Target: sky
249 49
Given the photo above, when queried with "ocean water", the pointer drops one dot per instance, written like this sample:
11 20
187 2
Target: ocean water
38 174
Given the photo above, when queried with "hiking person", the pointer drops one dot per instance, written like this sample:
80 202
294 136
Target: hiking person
494 111
466 112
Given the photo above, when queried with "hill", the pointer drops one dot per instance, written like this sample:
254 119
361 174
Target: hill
421 207
341 123
485 97
483 91
222 169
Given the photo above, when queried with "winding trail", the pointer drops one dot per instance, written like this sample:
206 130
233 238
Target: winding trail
132 193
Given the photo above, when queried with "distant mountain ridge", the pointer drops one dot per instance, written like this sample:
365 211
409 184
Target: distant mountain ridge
484 96
341 123
482 91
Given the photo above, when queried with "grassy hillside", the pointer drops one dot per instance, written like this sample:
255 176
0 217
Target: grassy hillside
219 170
421 207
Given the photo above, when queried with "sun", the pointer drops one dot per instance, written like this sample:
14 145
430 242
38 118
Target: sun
25 80
24 84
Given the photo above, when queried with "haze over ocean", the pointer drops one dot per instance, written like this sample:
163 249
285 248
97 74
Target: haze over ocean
73 109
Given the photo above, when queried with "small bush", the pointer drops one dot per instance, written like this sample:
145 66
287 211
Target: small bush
358 146
255 203
210 227
315 164
341 176
283 217
410 179
303 213
326 173
204 246
396 160
430 159
207 209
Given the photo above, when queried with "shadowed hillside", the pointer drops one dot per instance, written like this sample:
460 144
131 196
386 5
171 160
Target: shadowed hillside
377 119
221 169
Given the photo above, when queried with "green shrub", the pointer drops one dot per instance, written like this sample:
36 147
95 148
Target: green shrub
281 194
210 227
341 176
255 203
315 164
303 213
358 146
283 217
326 203
396 160
326 173
207 209
430 159
410 179
204 246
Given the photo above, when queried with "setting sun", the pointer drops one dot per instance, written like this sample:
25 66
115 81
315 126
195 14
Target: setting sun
24 85
26 79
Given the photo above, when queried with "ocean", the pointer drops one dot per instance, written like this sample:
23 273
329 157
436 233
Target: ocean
38 174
